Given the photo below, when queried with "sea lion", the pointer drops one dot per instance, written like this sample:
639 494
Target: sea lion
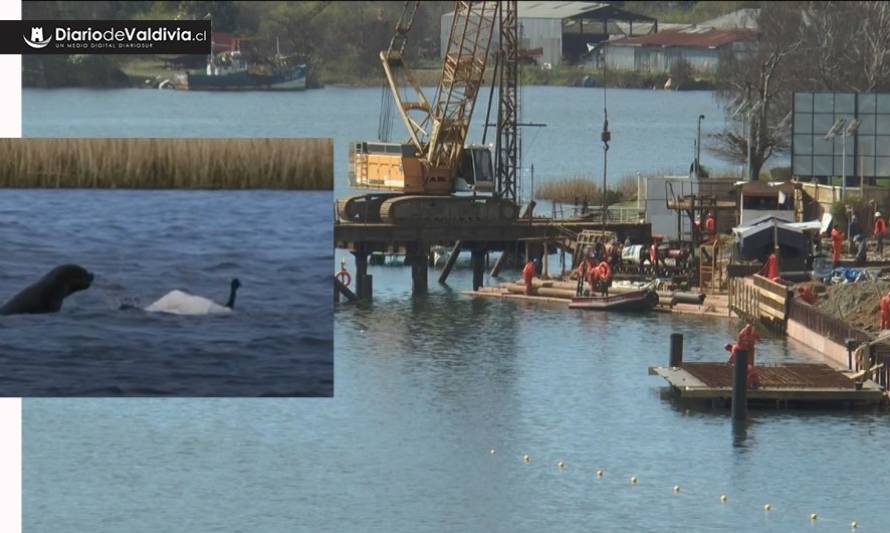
46 295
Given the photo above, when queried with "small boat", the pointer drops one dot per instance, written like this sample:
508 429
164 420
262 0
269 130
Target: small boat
635 301
230 71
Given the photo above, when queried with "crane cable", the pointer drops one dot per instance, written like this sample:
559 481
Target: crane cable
398 42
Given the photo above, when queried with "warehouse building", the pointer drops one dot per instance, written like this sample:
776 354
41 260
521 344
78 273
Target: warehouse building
702 47
565 32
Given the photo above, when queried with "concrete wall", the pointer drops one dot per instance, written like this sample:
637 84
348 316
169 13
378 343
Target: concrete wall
835 354
657 59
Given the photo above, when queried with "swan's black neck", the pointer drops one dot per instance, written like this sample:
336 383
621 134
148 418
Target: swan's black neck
231 303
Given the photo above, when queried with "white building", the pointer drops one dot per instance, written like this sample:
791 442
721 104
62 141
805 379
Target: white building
559 32
702 47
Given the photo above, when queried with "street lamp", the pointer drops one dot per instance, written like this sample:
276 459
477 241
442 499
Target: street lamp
835 130
698 148
849 131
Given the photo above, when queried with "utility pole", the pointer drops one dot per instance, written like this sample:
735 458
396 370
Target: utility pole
605 137
698 149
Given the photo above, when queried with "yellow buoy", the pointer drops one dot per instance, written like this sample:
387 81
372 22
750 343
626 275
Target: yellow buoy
853 525
676 488
723 497
813 516
492 451
526 458
633 480
767 507
599 473
561 465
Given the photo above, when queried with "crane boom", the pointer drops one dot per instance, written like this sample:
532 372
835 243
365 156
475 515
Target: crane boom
462 72
422 173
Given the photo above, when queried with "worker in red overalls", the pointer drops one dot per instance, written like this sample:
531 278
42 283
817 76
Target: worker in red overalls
653 257
805 293
528 274
711 227
604 273
745 340
885 311
586 273
837 242
771 267
880 232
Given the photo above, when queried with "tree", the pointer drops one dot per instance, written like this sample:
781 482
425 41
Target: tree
681 73
758 90
802 46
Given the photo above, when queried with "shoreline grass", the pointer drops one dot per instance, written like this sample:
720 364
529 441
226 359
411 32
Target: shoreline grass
587 189
291 164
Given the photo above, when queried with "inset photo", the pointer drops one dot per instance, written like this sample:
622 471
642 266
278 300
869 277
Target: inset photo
166 267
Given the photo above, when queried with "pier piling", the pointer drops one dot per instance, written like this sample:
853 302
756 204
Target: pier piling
676 350
740 386
362 279
417 255
478 260
452 258
850 344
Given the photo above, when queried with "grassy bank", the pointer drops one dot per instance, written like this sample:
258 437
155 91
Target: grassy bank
148 71
167 163
563 75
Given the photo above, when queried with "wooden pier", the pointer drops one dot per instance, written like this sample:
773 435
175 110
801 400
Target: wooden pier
798 383
362 239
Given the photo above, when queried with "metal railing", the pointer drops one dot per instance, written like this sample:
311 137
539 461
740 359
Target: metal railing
615 214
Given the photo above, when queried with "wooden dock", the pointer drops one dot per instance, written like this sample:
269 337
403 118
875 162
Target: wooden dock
783 383
548 292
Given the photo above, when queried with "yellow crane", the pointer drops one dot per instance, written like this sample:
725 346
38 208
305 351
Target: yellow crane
423 173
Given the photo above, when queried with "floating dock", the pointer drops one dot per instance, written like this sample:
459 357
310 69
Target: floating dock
554 292
783 383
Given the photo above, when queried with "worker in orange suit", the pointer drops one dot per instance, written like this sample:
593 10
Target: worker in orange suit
880 232
771 267
711 227
604 272
837 242
746 339
586 272
806 294
885 311
653 256
528 274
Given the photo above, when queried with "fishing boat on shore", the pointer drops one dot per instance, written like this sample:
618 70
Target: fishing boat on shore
232 71
632 301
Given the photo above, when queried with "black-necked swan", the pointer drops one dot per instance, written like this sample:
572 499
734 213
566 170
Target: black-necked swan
182 303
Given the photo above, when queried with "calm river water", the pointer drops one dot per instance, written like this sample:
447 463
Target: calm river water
425 387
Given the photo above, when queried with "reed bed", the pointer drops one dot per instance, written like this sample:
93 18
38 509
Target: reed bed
167 163
586 189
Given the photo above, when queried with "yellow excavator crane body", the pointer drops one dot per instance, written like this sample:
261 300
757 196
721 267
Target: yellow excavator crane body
419 176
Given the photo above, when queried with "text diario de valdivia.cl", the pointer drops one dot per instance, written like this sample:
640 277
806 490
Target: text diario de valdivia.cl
129 34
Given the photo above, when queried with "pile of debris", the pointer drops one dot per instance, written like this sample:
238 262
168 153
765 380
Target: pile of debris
857 303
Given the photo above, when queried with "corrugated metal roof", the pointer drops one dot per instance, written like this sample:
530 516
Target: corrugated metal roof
695 37
556 10
743 18
564 10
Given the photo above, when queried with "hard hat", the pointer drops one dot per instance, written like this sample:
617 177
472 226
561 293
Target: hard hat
877 214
